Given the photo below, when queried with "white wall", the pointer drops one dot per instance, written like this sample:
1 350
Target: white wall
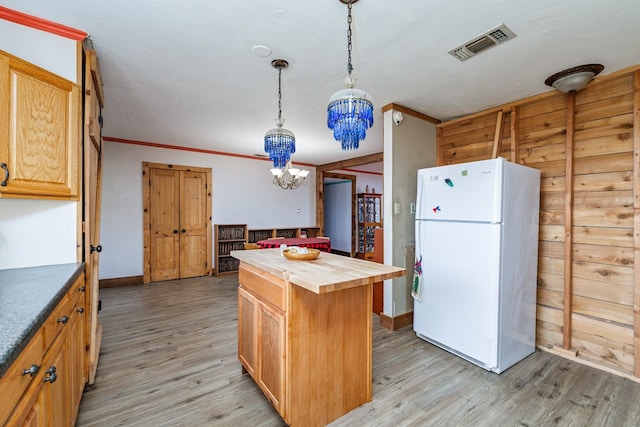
375 182
53 53
407 148
243 193
38 232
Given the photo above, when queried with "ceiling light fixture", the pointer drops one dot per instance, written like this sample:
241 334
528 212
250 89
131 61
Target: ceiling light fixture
573 79
350 110
289 178
279 142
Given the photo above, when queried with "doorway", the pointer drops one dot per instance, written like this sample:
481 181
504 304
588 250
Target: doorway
177 221
339 218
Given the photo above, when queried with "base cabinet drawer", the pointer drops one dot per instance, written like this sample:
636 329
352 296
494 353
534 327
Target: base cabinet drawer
46 402
24 371
57 357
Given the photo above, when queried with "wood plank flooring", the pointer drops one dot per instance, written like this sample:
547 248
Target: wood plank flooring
169 358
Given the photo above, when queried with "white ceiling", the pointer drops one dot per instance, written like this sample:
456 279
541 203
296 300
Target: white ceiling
183 72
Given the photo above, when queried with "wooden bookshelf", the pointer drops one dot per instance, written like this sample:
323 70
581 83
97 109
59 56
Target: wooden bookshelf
228 237
257 234
369 217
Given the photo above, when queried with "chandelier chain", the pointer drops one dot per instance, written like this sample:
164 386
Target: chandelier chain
279 94
349 66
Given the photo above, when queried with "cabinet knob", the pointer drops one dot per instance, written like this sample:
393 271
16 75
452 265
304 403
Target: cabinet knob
82 288
175 231
183 230
63 320
80 310
93 249
6 174
33 369
52 375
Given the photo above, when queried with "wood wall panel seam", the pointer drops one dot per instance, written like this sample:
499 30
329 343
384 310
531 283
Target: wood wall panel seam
497 139
515 137
636 222
568 224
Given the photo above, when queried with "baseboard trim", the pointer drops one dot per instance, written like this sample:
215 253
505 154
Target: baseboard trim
574 356
343 253
121 281
397 322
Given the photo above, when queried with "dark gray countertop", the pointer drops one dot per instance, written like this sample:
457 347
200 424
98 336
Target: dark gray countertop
27 297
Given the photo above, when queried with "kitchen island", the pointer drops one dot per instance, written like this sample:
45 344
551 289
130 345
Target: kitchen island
304 331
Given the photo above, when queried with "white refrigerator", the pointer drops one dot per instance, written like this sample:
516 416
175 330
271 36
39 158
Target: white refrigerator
476 260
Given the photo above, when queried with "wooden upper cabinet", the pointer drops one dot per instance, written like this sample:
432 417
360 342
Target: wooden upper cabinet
39 132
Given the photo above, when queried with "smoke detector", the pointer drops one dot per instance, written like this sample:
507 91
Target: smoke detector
491 38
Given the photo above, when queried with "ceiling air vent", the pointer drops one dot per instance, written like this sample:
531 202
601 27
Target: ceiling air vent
483 42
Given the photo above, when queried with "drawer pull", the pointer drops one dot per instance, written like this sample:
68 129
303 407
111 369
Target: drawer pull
32 370
63 320
80 310
52 375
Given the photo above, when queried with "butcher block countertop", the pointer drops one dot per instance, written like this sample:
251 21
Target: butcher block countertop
327 273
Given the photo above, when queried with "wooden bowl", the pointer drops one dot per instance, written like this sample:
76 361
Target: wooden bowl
313 254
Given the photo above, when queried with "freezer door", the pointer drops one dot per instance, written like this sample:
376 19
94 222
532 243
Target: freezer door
460 279
461 192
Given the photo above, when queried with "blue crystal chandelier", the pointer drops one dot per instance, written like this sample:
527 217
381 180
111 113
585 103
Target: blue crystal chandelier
350 110
279 142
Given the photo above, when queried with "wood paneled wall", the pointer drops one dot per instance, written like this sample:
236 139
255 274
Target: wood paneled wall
587 147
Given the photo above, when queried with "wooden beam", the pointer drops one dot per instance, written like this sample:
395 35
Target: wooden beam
636 223
356 161
568 223
515 139
320 201
497 139
410 112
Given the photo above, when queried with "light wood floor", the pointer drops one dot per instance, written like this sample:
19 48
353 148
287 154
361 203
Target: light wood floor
169 359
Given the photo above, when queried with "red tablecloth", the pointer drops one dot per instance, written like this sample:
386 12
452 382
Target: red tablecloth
310 242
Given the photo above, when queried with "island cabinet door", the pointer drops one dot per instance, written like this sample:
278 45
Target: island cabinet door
271 354
247 330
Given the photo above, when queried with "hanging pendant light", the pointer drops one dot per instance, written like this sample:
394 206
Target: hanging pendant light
289 178
279 142
350 110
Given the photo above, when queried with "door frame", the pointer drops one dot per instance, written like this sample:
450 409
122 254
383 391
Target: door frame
351 178
321 170
145 212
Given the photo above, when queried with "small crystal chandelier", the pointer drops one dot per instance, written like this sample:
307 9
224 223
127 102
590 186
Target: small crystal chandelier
279 142
350 110
289 178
